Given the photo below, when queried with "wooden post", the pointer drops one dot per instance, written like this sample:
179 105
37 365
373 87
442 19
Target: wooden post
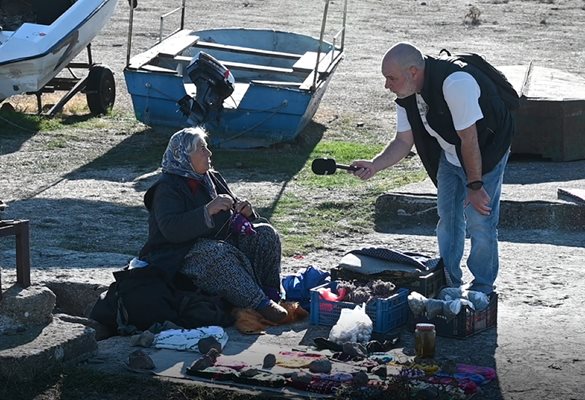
19 229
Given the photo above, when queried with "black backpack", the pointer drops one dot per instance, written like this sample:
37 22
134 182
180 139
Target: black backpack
505 88
141 297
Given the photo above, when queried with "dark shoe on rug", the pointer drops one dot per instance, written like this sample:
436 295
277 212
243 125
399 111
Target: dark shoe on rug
205 361
323 343
355 349
208 343
273 312
138 359
269 361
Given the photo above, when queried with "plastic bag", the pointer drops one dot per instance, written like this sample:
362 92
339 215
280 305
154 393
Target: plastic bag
353 325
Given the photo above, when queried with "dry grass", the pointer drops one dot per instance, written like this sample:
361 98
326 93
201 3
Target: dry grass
27 104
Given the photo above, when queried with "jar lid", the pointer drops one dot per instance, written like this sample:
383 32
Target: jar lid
425 327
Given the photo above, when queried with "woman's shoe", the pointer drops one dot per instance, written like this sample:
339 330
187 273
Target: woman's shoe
273 312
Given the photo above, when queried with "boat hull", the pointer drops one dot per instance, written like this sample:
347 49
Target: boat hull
273 102
34 54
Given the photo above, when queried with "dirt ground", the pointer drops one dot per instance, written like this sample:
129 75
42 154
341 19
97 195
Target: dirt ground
88 222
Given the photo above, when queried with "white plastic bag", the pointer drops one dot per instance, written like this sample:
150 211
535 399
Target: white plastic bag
353 325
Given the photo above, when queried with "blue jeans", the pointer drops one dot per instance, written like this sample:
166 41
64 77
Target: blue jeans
455 217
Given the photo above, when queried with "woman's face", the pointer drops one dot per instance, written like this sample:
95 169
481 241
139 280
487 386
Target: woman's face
201 158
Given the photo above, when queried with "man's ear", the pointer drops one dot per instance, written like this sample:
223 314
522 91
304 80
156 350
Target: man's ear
413 71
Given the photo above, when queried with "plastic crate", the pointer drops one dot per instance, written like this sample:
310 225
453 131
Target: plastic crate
467 323
386 314
428 285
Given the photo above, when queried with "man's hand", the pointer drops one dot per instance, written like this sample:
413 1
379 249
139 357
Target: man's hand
480 200
365 169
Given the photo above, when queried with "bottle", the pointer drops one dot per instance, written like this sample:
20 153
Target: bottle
424 340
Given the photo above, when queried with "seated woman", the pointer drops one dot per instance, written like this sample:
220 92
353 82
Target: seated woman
198 227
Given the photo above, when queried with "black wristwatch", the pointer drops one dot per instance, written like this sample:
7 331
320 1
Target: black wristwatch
475 185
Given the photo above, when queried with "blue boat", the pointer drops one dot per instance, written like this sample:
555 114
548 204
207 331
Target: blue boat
280 78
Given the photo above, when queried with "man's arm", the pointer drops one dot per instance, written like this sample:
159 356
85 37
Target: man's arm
396 150
471 155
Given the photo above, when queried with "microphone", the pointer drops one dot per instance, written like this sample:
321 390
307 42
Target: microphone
327 166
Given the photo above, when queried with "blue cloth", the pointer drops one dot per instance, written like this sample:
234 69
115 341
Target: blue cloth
298 286
455 217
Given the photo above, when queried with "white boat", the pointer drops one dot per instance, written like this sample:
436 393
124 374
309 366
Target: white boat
32 55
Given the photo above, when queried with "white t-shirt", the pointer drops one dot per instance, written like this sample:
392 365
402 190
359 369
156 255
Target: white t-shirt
461 93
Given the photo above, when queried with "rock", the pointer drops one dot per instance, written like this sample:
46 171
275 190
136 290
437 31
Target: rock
207 360
75 298
320 366
101 331
300 377
208 343
138 359
144 339
41 349
269 361
360 378
381 371
29 307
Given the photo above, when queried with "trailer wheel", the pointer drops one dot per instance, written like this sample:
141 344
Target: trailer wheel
100 90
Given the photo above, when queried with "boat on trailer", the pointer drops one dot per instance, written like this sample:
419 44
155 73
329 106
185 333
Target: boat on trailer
280 78
32 55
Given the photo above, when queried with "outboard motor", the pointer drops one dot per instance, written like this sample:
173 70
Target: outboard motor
213 82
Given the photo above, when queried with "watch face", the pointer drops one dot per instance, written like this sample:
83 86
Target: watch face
475 185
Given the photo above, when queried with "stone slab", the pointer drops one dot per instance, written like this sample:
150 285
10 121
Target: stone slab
40 349
530 199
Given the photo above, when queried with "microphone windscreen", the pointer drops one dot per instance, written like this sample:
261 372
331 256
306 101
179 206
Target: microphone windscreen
323 166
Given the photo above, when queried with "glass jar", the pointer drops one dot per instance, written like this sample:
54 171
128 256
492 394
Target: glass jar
424 340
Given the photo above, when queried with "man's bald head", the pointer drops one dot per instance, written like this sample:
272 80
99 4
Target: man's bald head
403 67
404 55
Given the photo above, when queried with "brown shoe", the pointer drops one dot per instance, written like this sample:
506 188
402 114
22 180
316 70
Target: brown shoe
273 312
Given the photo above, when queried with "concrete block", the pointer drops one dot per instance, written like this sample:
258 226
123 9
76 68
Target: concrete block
39 350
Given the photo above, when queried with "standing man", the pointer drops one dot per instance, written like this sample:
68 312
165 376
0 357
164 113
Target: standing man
462 131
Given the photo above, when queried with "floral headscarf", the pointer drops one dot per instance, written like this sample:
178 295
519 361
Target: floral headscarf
177 159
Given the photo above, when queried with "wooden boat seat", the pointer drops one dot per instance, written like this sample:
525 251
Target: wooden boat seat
242 66
307 62
247 50
175 44
155 68
276 83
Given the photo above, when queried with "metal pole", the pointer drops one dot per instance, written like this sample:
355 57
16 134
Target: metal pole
344 19
316 72
183 15
132 3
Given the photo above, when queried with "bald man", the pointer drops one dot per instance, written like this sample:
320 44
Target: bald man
462 130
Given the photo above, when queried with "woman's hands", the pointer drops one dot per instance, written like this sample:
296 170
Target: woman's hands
245 208
223 202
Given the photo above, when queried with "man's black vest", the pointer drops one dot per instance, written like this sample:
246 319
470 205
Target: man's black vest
495 129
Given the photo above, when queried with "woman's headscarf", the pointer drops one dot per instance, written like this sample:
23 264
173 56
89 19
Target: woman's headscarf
177 157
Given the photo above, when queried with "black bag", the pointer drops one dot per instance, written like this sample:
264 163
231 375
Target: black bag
141 297
505 88
138 299
196 308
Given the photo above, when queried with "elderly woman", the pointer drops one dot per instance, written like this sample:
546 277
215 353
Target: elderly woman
199 227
